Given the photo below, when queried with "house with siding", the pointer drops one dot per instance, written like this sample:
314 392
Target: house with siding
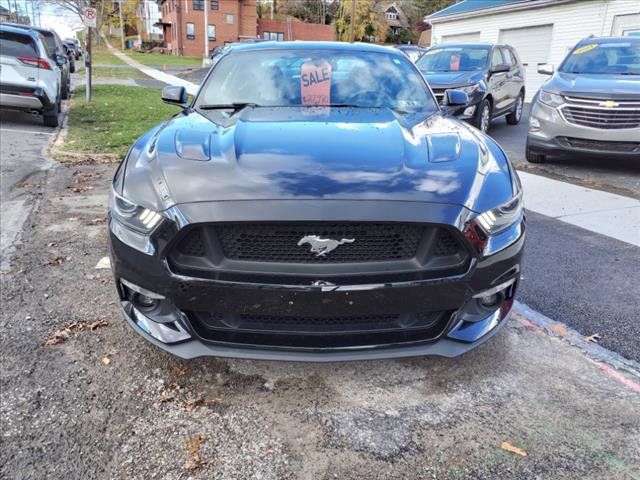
541 31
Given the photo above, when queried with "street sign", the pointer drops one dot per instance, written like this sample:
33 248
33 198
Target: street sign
89 16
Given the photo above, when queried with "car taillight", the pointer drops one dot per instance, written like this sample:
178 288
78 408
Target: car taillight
476 237
36 62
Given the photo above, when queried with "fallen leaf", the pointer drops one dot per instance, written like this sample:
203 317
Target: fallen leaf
193 449
97 221
103 263
593 338
59 260
510 448
559 329
174 386
105 360
60 336
201 402
181 370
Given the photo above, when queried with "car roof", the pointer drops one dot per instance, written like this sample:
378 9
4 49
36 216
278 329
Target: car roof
302 45
485 45
23 31
608 40
41 30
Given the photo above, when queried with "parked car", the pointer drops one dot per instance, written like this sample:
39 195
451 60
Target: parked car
55 50
75 43
491 75
591 105
29 79
314 202
68 51
414 52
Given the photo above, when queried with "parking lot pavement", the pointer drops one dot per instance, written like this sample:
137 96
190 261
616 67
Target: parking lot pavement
103 403
619 176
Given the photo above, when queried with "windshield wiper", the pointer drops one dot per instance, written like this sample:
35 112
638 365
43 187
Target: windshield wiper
235 106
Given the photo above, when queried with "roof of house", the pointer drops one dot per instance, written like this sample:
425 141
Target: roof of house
4 11
470 8
401 21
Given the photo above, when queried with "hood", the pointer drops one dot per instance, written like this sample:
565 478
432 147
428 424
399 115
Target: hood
452 79
598 85
338 153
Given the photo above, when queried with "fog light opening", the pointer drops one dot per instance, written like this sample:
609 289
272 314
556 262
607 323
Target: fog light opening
490 301
143 302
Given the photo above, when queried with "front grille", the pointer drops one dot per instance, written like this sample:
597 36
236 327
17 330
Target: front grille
595 113
600 145
311 332
279 253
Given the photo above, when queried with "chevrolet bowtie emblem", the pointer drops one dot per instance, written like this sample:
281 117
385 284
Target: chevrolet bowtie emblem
608 104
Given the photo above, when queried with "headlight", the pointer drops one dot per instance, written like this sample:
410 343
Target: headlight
551 99
469 89
496 220
133 216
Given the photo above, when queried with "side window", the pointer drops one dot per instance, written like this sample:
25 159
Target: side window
496 58
508 58
191 31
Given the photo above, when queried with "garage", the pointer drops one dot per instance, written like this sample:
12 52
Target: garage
541 31
532 45
473 37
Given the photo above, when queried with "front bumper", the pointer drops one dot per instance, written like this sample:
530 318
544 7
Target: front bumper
553 135
452 337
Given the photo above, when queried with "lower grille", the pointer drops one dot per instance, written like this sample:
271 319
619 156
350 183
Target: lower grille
318 332
600 145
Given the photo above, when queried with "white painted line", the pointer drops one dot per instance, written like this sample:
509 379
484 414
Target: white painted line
605 213
191 88
13 130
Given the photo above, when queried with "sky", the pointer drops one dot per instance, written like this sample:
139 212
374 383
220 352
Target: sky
64 22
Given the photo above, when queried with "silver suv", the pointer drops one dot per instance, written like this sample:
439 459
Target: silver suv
29 79
591 105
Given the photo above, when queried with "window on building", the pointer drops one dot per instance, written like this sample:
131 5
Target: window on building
230 19
211 32
277 36
391 14
214 4
191 31
198 4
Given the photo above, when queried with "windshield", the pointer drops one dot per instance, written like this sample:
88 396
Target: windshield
454 59
303 77
621 57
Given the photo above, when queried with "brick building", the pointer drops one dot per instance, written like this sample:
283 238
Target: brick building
183 24
293 29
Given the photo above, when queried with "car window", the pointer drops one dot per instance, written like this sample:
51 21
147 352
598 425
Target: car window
16 45
295 77
49 43
621 57
508 58
496 58
453 59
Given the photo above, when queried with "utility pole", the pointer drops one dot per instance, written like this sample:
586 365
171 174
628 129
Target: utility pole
352 23
121 25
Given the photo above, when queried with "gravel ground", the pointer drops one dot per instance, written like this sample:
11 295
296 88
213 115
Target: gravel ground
105 404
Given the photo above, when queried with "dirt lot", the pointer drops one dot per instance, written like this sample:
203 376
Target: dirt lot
102 403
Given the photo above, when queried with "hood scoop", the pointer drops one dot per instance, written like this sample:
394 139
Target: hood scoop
191 144
444 147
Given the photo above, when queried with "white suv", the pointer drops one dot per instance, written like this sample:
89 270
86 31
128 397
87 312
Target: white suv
29 80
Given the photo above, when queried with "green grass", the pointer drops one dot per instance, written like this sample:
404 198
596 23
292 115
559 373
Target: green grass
107 65
158 59
115 118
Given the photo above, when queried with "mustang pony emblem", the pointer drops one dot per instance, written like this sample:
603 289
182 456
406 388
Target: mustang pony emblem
322 246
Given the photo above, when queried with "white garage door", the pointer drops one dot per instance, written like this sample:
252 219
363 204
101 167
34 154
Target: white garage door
532 45
472 37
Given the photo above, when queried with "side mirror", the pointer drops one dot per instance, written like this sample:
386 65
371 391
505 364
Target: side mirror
60 60
175 95
546 69
455 98
500 68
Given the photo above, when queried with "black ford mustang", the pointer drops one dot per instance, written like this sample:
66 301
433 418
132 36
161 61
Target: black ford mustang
313 202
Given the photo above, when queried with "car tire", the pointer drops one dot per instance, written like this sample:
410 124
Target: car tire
482 119
51 117
64 94
514 117
534 157
72 66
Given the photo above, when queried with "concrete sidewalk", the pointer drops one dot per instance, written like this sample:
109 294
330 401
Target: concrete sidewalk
191 88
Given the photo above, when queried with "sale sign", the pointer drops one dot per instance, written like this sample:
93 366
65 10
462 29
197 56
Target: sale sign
315 83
